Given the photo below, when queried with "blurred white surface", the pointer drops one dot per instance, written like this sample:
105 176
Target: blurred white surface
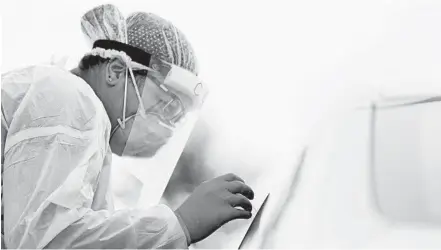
335 205
407 162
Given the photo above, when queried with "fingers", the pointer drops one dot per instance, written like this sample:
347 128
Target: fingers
241 214
239 200
231 177
237 187
235 213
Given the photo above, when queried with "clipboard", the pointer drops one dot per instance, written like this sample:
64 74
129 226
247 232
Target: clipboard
254 224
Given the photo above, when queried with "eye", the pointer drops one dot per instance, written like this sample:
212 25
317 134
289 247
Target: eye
173 108
160 104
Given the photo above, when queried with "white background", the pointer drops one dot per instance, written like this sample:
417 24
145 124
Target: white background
275 68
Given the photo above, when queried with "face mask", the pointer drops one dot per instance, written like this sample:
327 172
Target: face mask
177 94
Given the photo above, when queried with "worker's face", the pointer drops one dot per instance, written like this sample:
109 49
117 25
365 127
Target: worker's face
149 133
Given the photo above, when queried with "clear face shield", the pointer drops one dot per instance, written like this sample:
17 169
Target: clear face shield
168 96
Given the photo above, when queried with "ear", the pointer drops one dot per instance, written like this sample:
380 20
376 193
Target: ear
115 72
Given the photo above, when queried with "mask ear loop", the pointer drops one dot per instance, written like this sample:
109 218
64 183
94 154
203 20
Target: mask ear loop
123 123
141 105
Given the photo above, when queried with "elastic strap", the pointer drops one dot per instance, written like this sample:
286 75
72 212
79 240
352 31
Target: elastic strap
136 54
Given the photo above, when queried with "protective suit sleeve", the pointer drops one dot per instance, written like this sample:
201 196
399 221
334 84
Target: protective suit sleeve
152 228
54 157
61 224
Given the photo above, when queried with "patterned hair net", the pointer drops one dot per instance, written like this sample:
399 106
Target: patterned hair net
145 31
162 39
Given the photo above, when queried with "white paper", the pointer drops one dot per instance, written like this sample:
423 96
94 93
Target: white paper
282 185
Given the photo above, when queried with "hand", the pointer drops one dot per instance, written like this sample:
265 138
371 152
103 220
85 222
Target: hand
214 203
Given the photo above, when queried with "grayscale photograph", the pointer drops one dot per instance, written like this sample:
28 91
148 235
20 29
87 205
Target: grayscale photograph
161 124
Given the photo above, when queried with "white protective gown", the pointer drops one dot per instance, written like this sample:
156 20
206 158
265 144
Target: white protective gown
56 170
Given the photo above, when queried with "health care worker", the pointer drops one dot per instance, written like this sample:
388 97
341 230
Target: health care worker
59 129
